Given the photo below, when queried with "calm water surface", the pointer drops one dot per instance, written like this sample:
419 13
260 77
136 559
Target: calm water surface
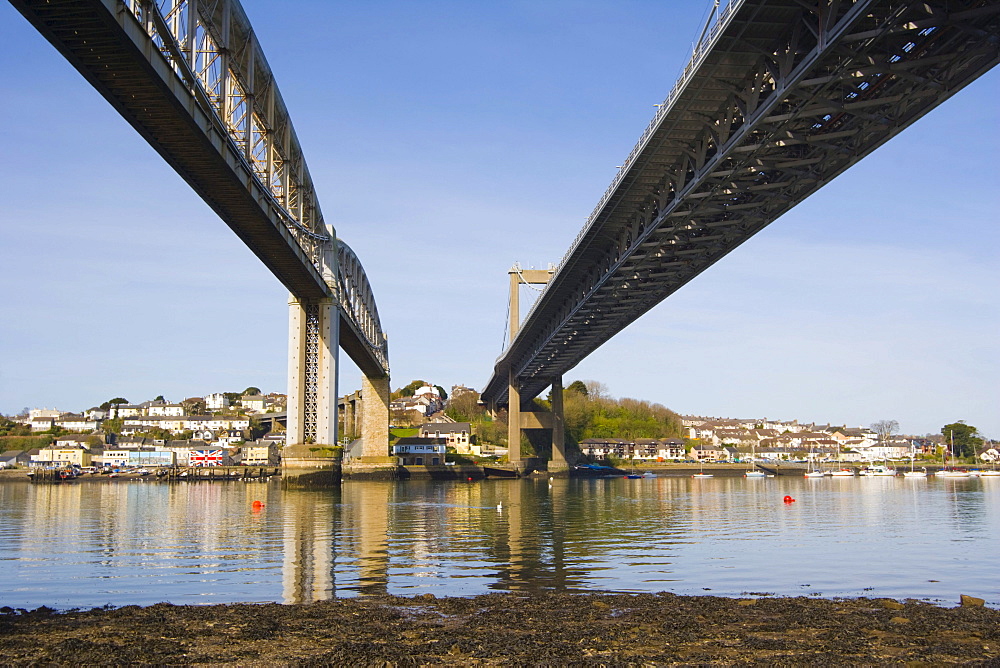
87 544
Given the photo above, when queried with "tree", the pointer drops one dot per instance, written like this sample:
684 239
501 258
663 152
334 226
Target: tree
11 428
409 389
252 391
113 402
113 426
194 406
966 443
884 429
464 408
578 387
441 392
159 397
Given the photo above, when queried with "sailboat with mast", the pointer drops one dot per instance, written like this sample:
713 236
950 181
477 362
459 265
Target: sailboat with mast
913 473
841 471
813 472
951 472
753 472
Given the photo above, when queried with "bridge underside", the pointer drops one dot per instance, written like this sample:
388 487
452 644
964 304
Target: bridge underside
784 97
190 78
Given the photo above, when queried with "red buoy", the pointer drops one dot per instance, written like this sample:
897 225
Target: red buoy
257 504
789 499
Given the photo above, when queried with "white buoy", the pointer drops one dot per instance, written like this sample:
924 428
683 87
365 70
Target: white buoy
499 507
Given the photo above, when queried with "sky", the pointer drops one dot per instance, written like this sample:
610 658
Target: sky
447 141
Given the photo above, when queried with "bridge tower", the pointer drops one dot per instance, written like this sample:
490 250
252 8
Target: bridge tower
517 418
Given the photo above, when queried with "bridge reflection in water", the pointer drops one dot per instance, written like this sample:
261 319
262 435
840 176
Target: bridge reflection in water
479 537
87 544
724 536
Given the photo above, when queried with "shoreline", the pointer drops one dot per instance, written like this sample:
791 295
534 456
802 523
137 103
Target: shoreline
512 628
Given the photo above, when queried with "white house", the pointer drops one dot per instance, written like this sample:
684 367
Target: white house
416 451
125 410
165 410
254 402
216 401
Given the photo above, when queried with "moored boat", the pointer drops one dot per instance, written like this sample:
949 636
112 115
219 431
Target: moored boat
878 470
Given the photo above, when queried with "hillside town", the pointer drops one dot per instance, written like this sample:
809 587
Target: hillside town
727 439
221 429
228 429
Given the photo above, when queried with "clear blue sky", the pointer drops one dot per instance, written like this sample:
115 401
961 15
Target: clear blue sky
449 140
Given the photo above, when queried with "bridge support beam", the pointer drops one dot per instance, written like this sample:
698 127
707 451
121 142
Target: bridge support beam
313 355
558 460
375 419
513 422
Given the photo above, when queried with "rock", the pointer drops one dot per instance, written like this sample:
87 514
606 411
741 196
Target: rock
747 601
890 604
972 602
899 620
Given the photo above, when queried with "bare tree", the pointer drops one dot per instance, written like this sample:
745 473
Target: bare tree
596 389
884 429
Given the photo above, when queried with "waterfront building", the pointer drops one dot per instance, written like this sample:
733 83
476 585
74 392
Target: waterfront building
12 458
62 456
642 449
259 454
455 434
420 451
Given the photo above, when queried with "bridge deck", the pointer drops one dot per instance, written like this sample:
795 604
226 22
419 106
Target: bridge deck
783 97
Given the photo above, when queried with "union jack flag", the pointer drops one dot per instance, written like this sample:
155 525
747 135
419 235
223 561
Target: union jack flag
205 458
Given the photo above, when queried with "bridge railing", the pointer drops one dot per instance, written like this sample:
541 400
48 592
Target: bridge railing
723 13
212 49
712 31
356 298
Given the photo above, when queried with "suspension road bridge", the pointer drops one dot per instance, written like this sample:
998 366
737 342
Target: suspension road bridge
779 97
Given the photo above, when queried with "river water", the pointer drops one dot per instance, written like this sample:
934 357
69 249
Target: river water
86 544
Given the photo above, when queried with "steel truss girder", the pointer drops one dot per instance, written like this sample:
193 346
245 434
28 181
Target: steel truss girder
793 109
191 78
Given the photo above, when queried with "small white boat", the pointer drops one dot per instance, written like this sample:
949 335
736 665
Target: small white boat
702 475
878 470
843 473
991 473
754 474
813 474
914 474
952 473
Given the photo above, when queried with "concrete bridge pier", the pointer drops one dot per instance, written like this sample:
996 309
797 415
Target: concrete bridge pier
558 463
543 428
